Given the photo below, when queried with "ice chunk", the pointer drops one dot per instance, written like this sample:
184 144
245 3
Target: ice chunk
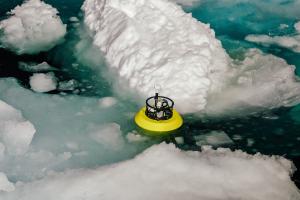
108 135
134 136
250 142
16 133
179 140
297 27
68 85
164 172
5 185
187 3
32 67
107 102
73 19
283 26
214 138
43 82
31 28
155 42
289 42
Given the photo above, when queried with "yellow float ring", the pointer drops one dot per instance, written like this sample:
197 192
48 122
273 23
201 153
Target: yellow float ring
162 126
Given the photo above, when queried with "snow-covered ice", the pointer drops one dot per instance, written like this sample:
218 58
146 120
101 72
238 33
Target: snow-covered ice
155 42
261 81
40 82
164 172
16 133
150 43
31 28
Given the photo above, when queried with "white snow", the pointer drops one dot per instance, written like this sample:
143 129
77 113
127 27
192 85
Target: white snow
107 102
16 133
289 42
164 172
5 185
155 42
40 82
31 28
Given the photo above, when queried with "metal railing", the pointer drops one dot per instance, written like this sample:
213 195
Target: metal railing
159 107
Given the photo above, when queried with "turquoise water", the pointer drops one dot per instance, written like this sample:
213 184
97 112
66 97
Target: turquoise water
271 132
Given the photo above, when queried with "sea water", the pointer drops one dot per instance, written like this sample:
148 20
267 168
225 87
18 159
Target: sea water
69 116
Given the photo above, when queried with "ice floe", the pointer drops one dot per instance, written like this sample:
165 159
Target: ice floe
289 42
16 133
164 172
31 28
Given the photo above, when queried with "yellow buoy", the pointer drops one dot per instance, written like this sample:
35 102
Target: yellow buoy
159 116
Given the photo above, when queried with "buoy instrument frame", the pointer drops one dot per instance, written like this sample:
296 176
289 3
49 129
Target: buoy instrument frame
159 115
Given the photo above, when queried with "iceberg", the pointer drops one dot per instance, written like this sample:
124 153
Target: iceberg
155 43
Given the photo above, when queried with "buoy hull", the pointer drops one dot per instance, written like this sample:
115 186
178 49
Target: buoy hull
158 126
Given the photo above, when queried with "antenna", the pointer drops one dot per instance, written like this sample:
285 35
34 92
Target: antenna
157 88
